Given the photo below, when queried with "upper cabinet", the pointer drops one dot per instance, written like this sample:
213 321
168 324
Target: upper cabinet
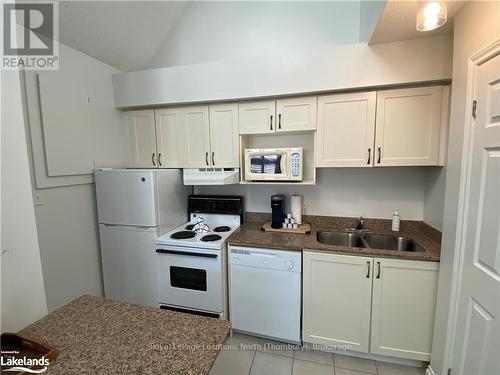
224 141
185 137
403 127
408 126
284 115
195 136
346 126
257 117
143 139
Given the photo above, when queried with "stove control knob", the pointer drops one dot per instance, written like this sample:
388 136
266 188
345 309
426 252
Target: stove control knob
289 264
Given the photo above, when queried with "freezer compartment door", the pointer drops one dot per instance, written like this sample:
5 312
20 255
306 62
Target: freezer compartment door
129 264
126 197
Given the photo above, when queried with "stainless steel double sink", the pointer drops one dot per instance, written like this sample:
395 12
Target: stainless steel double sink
369 240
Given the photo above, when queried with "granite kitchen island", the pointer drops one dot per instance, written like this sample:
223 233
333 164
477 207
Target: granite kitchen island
100 336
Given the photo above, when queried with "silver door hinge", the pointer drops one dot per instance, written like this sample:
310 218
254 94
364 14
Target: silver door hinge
474 108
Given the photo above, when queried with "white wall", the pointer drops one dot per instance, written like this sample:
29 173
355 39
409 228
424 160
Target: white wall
325 69
214 31
475 26
369 14
435 184
66 212
22 288
369 192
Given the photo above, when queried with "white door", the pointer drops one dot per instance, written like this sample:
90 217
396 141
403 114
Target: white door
195 137
168 137
403 307
337 300
129 264
296 114
408 126
346 130
126 197
224 139
476 344
143 138
257 117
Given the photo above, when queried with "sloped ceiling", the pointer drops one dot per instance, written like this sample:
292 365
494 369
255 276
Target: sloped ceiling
123 34
398 21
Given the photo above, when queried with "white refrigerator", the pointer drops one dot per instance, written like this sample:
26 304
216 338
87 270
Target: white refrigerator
135 206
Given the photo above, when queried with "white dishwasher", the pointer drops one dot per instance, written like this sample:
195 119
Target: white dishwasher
265 292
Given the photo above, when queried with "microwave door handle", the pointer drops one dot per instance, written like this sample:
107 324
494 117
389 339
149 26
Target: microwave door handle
284 165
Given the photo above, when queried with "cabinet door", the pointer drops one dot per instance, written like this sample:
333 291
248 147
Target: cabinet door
195 137
169 137
224 140
346 130
404 302
408 126
296 114
337 299
257 117
143 138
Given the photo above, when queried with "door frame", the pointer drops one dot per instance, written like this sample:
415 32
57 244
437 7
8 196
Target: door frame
473 62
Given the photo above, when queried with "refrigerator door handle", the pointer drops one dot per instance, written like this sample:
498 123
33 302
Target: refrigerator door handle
128 226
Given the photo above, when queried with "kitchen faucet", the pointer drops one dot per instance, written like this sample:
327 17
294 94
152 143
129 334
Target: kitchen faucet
361 223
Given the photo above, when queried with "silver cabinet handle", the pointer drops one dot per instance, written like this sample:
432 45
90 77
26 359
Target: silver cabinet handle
368 270
279 121
213 157
159 159
379 154
369 156
271 121
206 158
378 270
153 159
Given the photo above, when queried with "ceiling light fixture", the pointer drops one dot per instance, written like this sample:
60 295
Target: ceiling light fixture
432 14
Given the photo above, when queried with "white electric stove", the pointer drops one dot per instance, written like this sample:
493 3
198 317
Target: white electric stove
192 258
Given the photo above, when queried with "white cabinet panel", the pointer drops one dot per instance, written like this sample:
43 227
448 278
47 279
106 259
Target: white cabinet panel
346 126
257 117
168 137
195 136
408 126
404 300
337 299
66 122
143 138
297 114
224 141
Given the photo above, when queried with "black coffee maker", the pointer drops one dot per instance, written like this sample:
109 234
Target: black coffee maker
277 205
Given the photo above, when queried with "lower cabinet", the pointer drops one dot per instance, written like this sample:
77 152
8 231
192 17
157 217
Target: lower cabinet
373 305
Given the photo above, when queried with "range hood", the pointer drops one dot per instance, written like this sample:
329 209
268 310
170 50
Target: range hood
211 176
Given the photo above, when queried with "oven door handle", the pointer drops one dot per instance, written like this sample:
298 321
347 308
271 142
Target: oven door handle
187 253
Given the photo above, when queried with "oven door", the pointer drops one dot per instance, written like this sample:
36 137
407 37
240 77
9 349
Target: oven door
267 166
190 278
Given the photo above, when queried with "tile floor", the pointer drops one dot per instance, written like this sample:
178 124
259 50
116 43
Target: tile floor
247 355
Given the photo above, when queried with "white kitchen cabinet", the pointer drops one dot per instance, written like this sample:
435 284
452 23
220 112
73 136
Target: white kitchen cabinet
296 114
257 117
408 127
346 127
195 136
168 137
224 140
403 307
337 299
143 139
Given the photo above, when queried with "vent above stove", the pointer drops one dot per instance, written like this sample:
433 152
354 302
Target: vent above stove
211 176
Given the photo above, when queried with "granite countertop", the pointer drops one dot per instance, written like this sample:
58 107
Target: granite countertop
250 234
100 336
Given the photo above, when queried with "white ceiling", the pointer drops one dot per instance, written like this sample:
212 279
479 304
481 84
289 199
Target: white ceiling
398 21
124 34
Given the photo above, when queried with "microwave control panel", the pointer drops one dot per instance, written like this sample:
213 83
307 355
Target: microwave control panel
296 164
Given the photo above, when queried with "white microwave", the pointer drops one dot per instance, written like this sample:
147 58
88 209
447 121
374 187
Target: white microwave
274 164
